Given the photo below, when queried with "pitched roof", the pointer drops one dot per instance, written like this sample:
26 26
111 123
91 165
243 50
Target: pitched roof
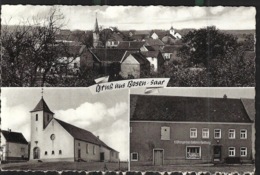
154 42
14 137
81 134
149 48
249 105
170 49
130 45
187 109
105 54
150 53
42 106
138 56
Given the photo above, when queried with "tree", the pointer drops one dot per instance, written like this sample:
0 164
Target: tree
105 34
31 50
203 45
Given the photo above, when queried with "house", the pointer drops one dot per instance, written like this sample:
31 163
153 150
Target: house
55 140
134 64
157 44
249 105
139 35
155 58
131 45
114 40
14 146
170 52
188 130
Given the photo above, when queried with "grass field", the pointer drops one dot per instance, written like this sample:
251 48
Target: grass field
197 168
87 166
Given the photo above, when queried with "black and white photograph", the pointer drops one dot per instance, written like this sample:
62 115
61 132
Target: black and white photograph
192 129
64 129
72 46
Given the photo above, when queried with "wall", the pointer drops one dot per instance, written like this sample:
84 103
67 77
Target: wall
3 144
87 60
63 141
146 136
15 152
153 61
86 156
130 67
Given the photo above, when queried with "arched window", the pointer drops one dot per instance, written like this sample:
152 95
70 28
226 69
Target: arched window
46 153
52 152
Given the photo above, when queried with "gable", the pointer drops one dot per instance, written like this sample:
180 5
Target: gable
130 60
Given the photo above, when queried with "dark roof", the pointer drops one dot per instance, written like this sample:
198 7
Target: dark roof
140 58
105 54
170 49
187 109
150 53
149 48
14 137
81 134
249 105
130 45
153 42
42 106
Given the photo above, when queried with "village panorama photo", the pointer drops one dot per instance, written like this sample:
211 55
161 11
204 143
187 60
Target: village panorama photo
193 129
64 129
71 46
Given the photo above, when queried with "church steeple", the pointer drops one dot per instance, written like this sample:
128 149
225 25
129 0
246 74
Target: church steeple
42 106
96 28
96 34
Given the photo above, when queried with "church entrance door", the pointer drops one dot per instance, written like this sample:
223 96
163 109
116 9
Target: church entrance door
36 153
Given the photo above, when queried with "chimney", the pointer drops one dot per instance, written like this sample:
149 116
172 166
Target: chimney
225 96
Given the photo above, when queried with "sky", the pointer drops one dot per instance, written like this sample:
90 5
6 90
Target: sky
138 17
105 114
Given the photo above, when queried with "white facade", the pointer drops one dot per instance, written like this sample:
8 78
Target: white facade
153 63
154 36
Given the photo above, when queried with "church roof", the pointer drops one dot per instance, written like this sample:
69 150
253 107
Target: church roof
96 29
42 106
187 109
14 137
81 134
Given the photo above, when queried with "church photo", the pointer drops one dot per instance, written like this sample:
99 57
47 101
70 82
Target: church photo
69 126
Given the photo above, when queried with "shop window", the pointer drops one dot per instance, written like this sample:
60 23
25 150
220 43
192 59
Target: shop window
193 152
232 134
243 134
243 151
231 151
165 133
217 133
205 133
134 156
193 132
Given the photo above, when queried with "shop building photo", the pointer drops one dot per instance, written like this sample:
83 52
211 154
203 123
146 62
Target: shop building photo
64 129
167 129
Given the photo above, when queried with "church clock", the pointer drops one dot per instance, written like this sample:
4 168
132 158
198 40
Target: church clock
52 136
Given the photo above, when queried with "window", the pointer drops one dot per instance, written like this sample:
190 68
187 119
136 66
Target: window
232 134
52 152
193 132
217 133
75 65
193 152
36 119
165 133
116 155
60 152
112 153
94 150
243 151
231 151
205 133
134 156
79 144
243 134
46 153
87 148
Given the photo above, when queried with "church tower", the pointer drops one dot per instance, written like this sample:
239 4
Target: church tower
41 116
96 34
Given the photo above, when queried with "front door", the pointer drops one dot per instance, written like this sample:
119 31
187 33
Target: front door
102 157
79 154
36 153
216 153
158 157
